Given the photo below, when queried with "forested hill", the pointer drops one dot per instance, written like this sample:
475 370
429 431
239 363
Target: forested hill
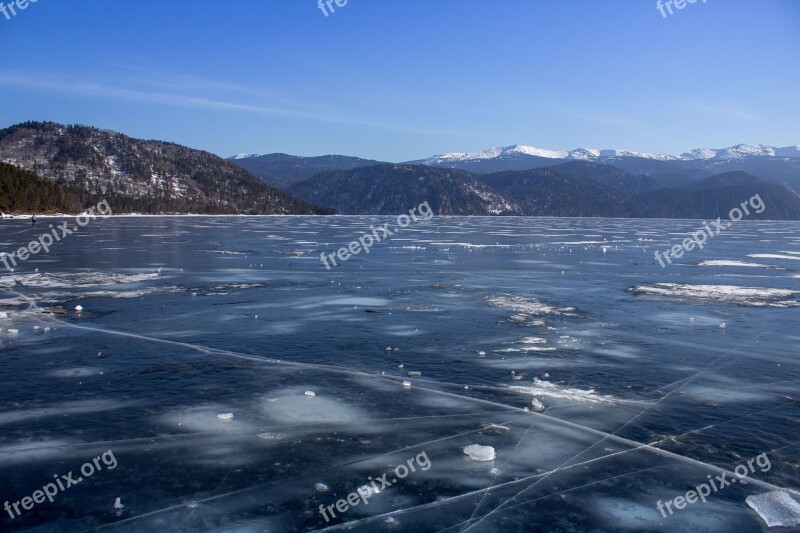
22 191
135 175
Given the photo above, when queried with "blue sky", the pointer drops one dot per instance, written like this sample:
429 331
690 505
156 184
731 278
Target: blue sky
404 79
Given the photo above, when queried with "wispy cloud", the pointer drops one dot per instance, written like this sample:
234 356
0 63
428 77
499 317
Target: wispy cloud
728 112
187 92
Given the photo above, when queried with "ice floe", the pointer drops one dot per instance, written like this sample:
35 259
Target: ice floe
731 294
777 508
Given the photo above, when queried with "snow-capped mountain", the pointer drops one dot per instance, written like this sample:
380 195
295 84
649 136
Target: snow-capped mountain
769 162
740 151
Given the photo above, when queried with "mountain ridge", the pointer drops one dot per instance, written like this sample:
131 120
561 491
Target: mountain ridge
135 175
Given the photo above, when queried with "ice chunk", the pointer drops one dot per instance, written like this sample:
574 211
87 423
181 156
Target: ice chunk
321 487
225 416
776 508
414 374
118 504
477 452
537 405
495 429
406 384
367 491
723 325
310 393
79 308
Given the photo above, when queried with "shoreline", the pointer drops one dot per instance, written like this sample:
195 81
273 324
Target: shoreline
27 217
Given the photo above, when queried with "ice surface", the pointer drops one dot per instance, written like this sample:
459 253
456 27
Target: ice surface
642 404
777 508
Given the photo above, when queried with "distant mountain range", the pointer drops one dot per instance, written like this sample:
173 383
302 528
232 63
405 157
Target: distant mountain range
52 167
141 176
741 151
776 164
574 189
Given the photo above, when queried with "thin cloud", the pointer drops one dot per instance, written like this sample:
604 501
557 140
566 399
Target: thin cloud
729 112
101 90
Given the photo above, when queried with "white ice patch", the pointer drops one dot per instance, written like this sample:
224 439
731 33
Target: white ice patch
33 451
726 263
76 372
546 388
291 406
528 344
730 294
205 418
777 508
527 305
477 452
63 409
773 256
64 281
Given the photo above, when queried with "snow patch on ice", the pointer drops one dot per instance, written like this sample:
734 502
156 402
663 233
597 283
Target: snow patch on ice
724 262
730 294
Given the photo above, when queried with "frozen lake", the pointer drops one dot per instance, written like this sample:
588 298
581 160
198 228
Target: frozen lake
604 383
